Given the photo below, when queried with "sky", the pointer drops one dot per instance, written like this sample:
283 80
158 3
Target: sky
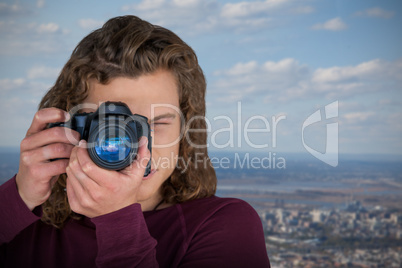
272 67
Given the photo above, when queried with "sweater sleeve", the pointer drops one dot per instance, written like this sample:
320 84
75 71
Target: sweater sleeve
124 240
15 216
231 237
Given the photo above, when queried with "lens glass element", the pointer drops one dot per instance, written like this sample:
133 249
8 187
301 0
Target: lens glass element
113 148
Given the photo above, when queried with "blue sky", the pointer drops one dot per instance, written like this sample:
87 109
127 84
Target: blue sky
281 58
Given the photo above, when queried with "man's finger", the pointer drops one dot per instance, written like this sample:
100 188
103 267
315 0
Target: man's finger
49 136
46 116
137 168
98 175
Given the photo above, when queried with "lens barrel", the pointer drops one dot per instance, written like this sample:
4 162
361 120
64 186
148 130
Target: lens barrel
113 145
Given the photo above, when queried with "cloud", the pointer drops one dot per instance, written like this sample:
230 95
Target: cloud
90 24
374 70
376 12
250 80
43 72
368 95
371 77
288 80
40 3
390 102
357 117
370 125
32 87
240 69
22 88
335 24
16 114
303 10
13 30
13 10
6 85
48 28
210 16
19 99
31 38
198 14
251 9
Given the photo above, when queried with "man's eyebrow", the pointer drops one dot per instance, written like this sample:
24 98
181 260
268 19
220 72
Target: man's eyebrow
162 116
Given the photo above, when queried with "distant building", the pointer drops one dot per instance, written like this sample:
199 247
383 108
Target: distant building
317 215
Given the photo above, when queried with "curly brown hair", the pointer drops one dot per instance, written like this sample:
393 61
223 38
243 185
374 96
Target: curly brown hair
128 46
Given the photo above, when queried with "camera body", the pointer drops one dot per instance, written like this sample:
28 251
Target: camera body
112 133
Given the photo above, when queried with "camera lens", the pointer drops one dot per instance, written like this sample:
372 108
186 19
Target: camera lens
112 145
113 148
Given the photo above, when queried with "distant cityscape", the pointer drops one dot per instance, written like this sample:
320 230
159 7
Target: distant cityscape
315 215
319 216
298 236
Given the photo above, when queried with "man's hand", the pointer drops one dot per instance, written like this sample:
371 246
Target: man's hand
93 191
37 174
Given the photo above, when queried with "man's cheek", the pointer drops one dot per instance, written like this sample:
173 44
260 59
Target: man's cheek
165 139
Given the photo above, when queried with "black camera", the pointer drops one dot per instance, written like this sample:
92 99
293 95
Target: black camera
112 133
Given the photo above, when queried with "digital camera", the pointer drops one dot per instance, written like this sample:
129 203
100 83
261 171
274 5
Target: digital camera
112 133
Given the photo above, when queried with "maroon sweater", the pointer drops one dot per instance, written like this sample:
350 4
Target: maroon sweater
209 232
